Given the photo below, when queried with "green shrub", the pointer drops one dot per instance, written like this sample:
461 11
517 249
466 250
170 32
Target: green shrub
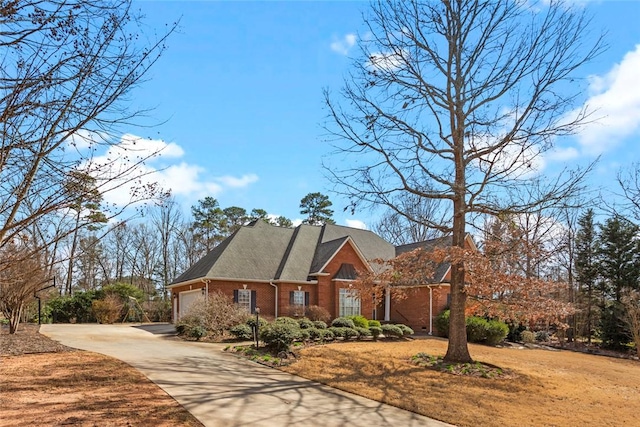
497 331
442 324
363 332
542 336
287 321
251 321
476 329
376 331
359 321
278 336
197 332
327 335
305 323
315 333
392 331
528 337
349 333
405 329
515 331
315 312
338 331
319 324
479 330
191 330
304 335
343 322
242 331
375 323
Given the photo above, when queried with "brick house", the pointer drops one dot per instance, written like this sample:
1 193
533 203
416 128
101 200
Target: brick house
281 270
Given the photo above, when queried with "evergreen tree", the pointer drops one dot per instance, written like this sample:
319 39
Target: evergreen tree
317 207
618 260
586 267
619 269
208 224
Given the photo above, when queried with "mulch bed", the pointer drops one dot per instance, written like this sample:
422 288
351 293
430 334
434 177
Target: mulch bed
27 340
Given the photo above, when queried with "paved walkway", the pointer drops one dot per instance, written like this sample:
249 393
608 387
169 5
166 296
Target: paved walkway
221 389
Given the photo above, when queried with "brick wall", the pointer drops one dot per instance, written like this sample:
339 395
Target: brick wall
328 289
413 310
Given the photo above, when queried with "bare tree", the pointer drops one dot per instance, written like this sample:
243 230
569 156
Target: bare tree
457 100
408 221
66 70
21 274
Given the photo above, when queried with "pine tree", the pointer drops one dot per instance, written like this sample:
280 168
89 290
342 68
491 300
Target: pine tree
619 268
586 266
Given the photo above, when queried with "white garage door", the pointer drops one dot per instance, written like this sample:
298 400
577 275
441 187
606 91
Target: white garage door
186 299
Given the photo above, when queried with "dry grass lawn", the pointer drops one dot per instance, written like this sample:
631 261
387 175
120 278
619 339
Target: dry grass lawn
82 389
550 388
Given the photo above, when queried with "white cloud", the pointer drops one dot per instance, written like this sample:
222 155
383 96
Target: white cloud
344 45
355 223
559 154
233 182
615 105
83 139
385 61
136 162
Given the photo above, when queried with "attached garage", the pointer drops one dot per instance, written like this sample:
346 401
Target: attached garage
185 299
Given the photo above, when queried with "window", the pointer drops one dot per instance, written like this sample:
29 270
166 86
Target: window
298 298
245 298
349 302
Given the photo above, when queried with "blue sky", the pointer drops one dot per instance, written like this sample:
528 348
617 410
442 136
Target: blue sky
239 95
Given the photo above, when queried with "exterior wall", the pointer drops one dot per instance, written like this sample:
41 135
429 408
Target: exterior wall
265 293
328 290
283 296
413 310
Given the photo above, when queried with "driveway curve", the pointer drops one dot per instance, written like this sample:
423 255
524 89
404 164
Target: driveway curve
221 389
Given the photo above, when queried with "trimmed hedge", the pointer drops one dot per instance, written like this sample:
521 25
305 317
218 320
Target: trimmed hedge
479 329
278 336
359 321
242 332
343 322
390 331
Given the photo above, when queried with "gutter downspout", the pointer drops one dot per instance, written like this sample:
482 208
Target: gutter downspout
276 288
387 305
430 310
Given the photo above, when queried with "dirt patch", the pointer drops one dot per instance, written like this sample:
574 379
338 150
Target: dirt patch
45 383
27 340
553 388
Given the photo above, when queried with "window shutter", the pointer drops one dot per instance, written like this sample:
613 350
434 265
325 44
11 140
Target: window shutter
235 296
306 299
291 293
253 301
449 299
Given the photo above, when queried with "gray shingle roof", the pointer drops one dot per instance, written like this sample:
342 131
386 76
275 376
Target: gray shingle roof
429 245
261 251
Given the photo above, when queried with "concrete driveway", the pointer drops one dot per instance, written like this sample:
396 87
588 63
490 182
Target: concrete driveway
221 389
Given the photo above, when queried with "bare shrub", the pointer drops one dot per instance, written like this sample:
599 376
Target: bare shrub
216 313
631 303
315 312
294 310
108 309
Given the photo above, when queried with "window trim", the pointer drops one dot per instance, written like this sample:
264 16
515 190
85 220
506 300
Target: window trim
348 295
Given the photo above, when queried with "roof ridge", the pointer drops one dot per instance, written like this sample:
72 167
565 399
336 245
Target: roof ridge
287 252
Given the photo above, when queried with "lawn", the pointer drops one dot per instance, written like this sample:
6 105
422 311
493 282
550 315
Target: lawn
551 388
45 383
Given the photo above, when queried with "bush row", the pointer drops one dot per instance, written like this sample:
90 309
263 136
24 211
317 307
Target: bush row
479 329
